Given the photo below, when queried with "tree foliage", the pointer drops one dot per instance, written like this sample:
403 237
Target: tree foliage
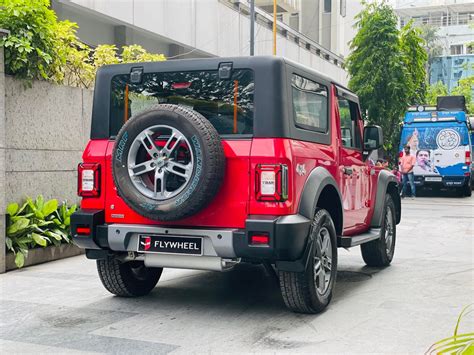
415 58
464 88
41 47
433 46
435 90
386 68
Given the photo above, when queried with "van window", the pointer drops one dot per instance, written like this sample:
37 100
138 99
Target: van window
227 104
310 104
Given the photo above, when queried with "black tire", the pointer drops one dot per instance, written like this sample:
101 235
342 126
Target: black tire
467 191
207 172
299 289
375 252
127 279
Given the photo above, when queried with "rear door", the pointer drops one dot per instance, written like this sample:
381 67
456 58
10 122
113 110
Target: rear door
355 181
226 102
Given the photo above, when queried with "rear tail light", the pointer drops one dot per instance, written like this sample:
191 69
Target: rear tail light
468 157
88 180
83 230
260 239
271 182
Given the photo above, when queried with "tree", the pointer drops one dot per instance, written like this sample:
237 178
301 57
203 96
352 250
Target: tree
435 90
464 88
415 58
433 47
385 69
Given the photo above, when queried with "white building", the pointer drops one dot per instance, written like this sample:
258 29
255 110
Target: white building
454 18
312 32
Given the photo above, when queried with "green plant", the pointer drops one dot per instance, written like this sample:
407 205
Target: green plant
386 68
31 48
41 47
458 343
464 88
435 90
37 223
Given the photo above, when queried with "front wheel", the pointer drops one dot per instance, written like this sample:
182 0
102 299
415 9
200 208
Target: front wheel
379 252
311 291
127 279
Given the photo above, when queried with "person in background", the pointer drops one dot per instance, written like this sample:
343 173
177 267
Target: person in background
407 163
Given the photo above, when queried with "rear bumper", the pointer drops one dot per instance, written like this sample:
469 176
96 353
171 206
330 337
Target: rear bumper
287 237
446 181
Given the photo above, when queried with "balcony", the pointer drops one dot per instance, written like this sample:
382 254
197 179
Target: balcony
283 6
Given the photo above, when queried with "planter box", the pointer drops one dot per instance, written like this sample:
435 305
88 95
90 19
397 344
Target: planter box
43 255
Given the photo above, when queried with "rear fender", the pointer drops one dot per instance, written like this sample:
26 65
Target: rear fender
318 179
386 183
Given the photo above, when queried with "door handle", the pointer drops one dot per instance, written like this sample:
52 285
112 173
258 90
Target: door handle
347 171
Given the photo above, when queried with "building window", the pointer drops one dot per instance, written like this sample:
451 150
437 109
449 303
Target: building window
343 10
470 49
327 6
457 49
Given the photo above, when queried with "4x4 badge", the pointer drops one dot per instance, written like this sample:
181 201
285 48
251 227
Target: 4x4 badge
300 169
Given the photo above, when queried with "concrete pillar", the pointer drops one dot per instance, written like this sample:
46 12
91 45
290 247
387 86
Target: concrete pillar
122 36
2 156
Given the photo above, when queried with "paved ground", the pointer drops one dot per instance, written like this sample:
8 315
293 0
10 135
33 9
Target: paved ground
61 307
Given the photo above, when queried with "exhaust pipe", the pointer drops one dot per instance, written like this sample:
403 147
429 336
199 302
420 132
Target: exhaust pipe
213 263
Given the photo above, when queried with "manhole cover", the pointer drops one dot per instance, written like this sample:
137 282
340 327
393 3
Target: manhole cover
352 276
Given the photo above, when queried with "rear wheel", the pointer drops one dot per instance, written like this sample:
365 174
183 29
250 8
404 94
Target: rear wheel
127 279
311 291
467 191
380 252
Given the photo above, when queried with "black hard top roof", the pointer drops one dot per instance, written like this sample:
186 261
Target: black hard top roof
213 63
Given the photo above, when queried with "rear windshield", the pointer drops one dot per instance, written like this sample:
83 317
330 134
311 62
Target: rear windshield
227 104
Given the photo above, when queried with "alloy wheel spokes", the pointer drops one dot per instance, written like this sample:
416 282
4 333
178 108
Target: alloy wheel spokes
147 141
322 261
143 168
388 231
166 170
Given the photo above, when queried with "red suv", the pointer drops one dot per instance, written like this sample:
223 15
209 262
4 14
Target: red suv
208 163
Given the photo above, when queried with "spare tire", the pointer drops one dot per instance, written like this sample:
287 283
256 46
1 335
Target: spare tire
168 162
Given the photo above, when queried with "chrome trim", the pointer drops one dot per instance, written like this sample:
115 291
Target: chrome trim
216 242
214 263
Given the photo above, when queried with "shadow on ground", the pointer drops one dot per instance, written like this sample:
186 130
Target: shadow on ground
246 286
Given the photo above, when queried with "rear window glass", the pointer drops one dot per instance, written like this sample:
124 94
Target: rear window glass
310 104
227 104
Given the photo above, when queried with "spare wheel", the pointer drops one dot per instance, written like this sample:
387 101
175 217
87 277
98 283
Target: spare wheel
168 162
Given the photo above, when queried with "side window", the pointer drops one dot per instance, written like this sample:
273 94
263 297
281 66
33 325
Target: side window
310 104
350 132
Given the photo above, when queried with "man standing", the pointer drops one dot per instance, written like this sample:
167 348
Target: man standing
407 163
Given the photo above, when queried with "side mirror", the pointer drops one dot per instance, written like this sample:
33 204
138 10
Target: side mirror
373 138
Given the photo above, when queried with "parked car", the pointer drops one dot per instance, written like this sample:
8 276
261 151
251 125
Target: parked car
439 138
208 163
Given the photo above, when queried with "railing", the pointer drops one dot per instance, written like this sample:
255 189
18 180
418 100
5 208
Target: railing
265 19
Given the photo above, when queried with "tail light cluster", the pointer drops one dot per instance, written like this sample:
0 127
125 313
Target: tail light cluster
468 157
88 184
271 182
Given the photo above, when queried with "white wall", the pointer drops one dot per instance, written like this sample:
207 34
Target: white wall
207 25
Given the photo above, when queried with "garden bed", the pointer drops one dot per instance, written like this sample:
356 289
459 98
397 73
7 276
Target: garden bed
43 255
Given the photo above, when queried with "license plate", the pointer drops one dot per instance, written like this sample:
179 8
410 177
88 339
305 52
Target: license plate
170 245
435 178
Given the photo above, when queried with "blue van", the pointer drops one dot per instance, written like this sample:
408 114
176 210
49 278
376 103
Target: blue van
441 142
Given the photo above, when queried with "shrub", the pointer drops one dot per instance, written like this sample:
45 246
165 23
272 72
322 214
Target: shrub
31 47
41 47
37 223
